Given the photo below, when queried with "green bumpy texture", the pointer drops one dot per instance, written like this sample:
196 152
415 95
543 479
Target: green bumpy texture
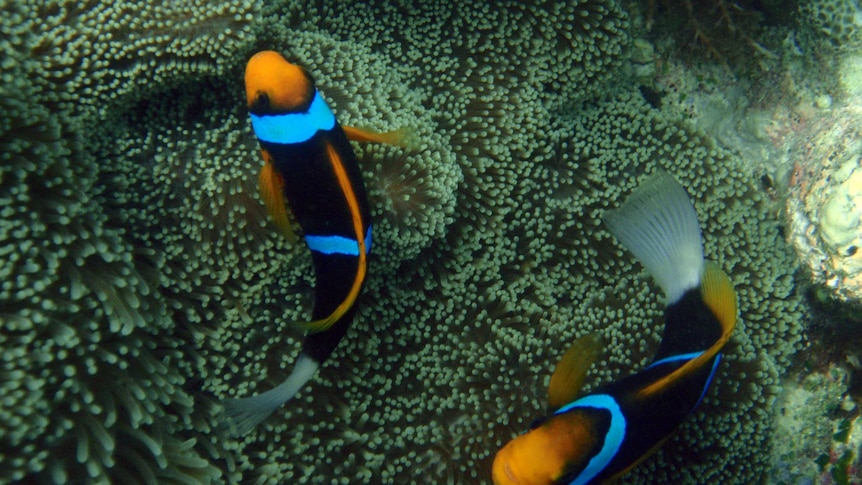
142 281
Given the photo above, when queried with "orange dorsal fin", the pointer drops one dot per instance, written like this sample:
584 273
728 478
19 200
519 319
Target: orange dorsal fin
568 377
400 137
272 192
720 296
717 292
361 265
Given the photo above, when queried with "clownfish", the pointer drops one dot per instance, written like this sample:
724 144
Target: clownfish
599 437
310 168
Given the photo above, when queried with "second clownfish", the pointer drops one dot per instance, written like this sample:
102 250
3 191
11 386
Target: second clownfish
598 437
310 168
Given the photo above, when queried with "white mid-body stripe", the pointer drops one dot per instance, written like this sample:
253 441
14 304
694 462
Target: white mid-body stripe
337 244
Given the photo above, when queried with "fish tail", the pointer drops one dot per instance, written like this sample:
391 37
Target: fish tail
658 224
240 416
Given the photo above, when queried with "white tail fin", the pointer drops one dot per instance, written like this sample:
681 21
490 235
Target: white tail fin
241 415
658 224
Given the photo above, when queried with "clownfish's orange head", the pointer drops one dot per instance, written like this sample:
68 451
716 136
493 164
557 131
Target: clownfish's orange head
273 85
561 446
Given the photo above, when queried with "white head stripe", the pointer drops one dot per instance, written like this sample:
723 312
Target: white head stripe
290 128
613 439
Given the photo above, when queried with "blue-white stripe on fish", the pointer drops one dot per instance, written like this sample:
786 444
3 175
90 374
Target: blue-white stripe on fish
290 128
337 244
613 439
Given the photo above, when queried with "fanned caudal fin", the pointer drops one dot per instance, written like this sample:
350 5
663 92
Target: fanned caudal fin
658 224
568 377
272 192
401 137
242 415
718 293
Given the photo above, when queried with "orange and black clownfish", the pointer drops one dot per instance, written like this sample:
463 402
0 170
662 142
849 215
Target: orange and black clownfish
309 166
599 437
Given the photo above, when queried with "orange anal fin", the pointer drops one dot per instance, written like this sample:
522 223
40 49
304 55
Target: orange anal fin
568 377
400 137
272 192
719 295
361 265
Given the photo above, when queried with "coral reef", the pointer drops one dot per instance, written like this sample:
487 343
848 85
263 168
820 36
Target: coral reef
824 204
817 432
732 34
837 20
142 281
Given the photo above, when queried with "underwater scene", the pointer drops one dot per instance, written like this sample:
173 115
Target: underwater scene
614 241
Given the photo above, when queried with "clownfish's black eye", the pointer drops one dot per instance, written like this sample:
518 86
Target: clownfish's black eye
261 103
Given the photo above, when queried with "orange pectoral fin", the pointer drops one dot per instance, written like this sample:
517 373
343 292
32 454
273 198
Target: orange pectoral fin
400 137
271 191
571 370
